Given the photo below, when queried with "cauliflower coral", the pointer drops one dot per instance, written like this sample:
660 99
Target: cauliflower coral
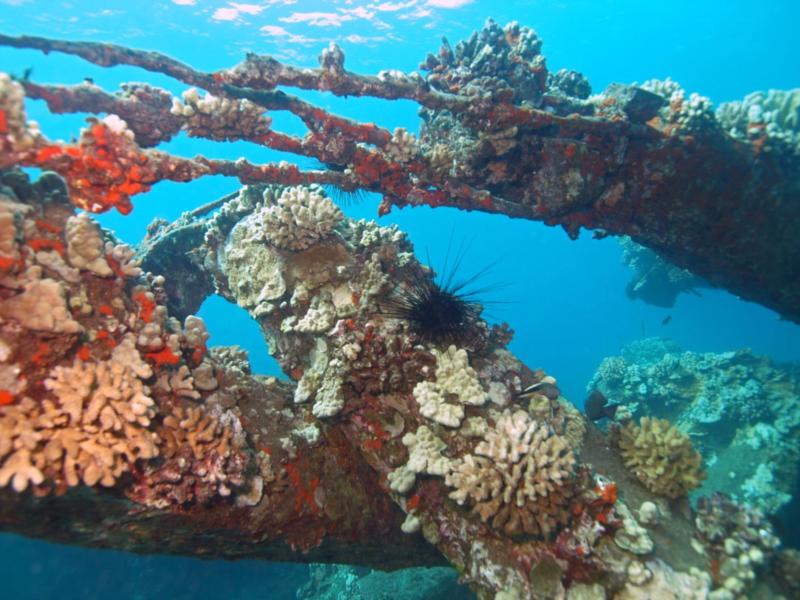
520 477
661 457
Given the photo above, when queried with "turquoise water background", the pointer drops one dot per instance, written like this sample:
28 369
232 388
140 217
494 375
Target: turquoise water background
566 302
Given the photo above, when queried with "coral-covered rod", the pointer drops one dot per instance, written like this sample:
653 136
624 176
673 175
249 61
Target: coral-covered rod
672 180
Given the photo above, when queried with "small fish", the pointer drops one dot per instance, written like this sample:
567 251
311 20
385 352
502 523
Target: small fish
88 81
541 388
666 320
597 407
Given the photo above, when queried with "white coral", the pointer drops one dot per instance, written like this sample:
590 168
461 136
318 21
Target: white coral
254 270
195 332
21 134
662 583
329 399
52 260
455 379
425 452
124 256
432 405
300 218
320 316
220 118
402 479
41 307
403 145
85 247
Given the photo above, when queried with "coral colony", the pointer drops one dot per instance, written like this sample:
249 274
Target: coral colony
386 426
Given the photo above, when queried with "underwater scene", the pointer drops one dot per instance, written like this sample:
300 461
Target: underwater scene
405 299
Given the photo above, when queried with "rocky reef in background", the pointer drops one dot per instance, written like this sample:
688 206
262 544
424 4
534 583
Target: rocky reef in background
742 411
655 280
343 582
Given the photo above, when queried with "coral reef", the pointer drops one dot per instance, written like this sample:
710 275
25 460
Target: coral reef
694 114
655 280
383 446
661 457
107 414
787 570
203 457
341 582
740 409
220 119
467 453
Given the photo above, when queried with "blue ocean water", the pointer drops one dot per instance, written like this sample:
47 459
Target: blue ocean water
566 303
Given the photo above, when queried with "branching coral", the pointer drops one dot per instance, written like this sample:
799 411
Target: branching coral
519 478
92 430
661 457
506 62
403 145
19 133
94 419
202 458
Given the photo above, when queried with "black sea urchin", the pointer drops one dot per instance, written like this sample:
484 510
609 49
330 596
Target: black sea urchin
439 312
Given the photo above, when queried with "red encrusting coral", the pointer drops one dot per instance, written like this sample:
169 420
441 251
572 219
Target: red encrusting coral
38 358
39 244
146 306
304 494
165 356
6 398
106 337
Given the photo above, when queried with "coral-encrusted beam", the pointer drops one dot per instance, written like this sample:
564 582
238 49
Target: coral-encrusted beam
200 460
718 206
